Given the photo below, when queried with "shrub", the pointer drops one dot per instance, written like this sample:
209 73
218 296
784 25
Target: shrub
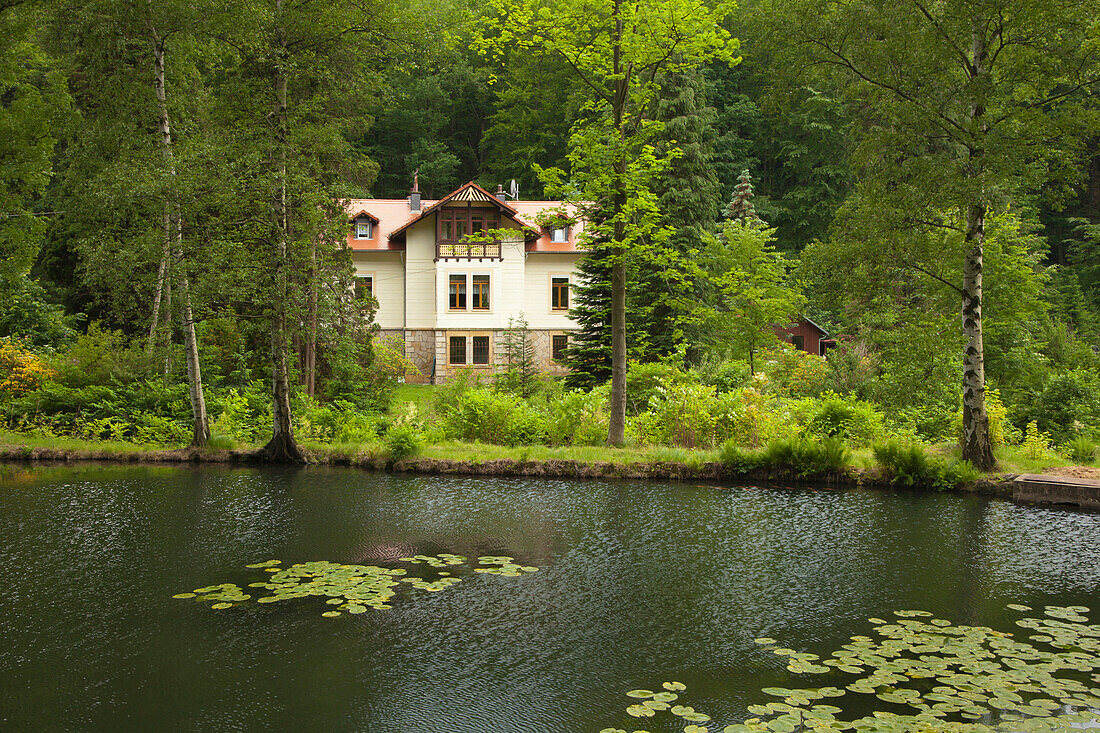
680 414
752 418
905 463
21 371
1036 443
644 380
723 375
102 356
853 420
738 459
910 465
1068 404
793 372
1001 430
494 417
576 418
402 441
218 441
807 457
1081 450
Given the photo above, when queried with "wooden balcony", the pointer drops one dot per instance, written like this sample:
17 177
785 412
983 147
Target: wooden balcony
467 250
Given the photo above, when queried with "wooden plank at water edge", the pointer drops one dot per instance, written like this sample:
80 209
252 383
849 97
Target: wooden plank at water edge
1046 489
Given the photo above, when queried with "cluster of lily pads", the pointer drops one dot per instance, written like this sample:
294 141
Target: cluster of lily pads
937 677
351 588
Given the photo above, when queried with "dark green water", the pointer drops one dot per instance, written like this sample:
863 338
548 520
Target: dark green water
640 583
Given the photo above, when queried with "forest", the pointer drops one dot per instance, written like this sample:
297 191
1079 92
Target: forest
922 180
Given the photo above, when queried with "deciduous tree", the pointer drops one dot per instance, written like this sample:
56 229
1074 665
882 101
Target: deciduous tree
617 48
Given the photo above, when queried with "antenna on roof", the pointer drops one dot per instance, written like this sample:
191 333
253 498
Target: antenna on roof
513 190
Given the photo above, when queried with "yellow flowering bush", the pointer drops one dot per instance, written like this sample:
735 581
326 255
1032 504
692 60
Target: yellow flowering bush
21 371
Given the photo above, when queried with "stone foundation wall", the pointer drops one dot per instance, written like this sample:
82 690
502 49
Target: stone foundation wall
425 346
420 350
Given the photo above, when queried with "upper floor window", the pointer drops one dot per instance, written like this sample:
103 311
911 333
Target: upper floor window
478 287
364 229
364 286
559 293
559 234
456 293
480 293
456 223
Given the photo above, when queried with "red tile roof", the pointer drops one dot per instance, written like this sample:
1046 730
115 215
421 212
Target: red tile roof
394 217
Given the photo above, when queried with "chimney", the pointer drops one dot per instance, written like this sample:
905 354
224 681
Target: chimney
414 194
501 196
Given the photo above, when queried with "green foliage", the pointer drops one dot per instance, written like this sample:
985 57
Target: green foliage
856 422
1067 406
1036 443
1082 450
492 417
576 417
725 375
403 441
738 459
910 465
520 375
808 457
339 421
102 356
689 415
753 290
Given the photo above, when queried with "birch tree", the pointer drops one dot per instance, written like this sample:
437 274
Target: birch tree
617 49
966 103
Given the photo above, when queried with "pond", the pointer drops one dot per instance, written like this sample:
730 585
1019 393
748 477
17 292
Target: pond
638 582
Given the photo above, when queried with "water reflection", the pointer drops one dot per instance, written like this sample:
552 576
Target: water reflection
640 582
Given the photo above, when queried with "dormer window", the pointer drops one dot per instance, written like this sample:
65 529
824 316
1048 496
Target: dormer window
364 229
559 234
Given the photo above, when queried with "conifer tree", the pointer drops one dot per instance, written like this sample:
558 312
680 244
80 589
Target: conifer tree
664 285
740 207
588 356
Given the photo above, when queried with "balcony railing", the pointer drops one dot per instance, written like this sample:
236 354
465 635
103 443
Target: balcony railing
468 250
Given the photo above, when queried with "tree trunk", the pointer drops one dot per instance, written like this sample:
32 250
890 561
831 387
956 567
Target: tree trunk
281 448
616 431
976 446
309 378
162 272
174 244
200 423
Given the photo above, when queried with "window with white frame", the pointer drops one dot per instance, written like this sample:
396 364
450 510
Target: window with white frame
559 234
364 229
364 286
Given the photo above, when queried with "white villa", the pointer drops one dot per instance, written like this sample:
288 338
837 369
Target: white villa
450 299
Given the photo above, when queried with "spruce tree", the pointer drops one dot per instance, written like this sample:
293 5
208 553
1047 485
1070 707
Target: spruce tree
588 356
740 207
664 287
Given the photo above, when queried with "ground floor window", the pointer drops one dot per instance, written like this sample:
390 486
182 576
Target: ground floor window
457 350
797 342
558 342
470 348
480 349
